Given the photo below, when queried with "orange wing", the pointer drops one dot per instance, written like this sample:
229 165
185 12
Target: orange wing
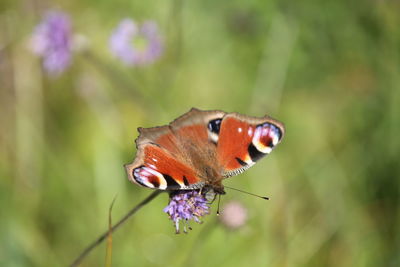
201 147
168 156
243 140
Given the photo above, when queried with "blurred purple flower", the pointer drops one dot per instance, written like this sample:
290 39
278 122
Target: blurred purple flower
52 40
186 206
234 215
136 45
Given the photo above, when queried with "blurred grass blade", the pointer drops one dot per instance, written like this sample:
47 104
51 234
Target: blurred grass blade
273 66
109 236
101 238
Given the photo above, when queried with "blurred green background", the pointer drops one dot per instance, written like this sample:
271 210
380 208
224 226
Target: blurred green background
330 70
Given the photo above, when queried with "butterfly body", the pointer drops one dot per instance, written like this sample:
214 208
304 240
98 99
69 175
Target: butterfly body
200 149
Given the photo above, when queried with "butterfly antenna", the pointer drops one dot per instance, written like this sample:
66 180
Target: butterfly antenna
219 201
245 192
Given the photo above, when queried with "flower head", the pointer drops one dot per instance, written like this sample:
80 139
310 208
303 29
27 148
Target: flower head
136 44
234 215
185 206
52 40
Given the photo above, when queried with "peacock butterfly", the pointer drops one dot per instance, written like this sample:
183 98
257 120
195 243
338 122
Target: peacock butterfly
200 149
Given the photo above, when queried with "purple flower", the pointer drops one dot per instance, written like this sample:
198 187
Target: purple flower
136 44
52 41
185 206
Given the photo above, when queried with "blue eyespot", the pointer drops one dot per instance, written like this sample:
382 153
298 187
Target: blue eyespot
215 125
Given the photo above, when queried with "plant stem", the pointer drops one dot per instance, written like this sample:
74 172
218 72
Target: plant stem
101 238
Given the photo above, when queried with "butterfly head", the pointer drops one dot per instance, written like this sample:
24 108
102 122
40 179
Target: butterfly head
214 189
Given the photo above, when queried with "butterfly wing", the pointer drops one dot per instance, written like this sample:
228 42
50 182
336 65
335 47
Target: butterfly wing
243 140
201 147
171 157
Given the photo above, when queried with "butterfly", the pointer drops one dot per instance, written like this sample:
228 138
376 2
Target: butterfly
199 149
